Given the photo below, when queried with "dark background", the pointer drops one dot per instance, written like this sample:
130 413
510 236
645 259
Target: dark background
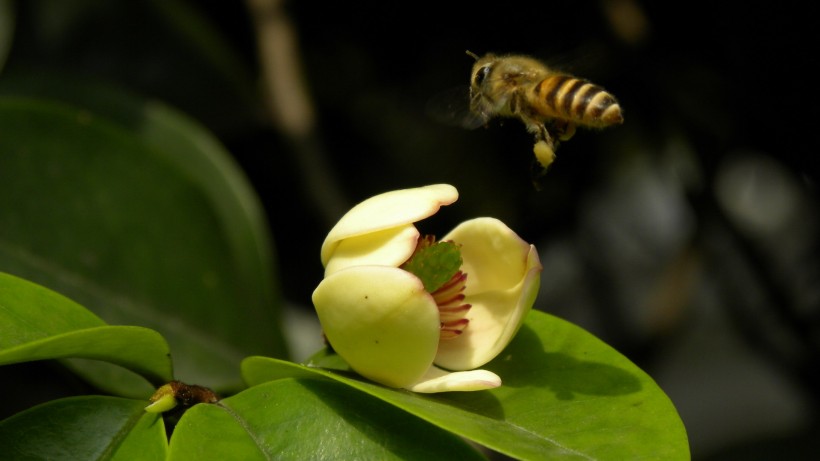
686 238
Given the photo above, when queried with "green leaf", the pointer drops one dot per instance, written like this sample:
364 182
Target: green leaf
142 350
38 324
85 428
566 395
29 312
168 50
146 221
434 265
308 419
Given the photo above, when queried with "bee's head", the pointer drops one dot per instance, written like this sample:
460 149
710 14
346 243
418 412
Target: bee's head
479 77
481 69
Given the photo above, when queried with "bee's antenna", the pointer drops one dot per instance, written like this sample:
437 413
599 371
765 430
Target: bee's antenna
472 55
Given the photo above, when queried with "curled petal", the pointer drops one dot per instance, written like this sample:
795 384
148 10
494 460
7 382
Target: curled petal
504 276
438 380
381 321
495 257
388 210
388 247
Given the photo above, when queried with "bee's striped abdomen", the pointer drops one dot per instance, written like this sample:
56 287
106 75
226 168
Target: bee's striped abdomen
572 99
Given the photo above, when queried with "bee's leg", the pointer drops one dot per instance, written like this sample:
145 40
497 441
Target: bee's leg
544 154
544 150
537 175
563 130
537 169
543 134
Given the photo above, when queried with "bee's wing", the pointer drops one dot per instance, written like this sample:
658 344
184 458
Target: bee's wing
452 107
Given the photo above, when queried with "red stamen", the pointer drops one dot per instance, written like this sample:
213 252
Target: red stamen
451 306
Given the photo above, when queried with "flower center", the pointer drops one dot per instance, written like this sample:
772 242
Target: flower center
451 306
438 266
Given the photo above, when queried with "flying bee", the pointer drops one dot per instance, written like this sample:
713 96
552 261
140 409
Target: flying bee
549 103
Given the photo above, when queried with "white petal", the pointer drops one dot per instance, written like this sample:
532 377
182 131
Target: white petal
503 277
495 257
388 210
438 380
389 247
381 321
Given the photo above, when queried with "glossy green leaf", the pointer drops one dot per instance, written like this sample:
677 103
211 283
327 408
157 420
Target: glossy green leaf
137 348
144 219
37 324
85 428
29 312
308 419
566 395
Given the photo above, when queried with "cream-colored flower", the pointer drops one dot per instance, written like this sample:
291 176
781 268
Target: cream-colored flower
381 320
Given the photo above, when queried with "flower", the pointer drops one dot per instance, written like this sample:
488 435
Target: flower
377 314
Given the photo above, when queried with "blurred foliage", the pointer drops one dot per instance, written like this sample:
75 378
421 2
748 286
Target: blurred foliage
700 210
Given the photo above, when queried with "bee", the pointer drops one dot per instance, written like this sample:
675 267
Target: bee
549 103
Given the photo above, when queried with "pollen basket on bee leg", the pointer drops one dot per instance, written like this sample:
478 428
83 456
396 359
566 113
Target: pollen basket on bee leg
544 153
